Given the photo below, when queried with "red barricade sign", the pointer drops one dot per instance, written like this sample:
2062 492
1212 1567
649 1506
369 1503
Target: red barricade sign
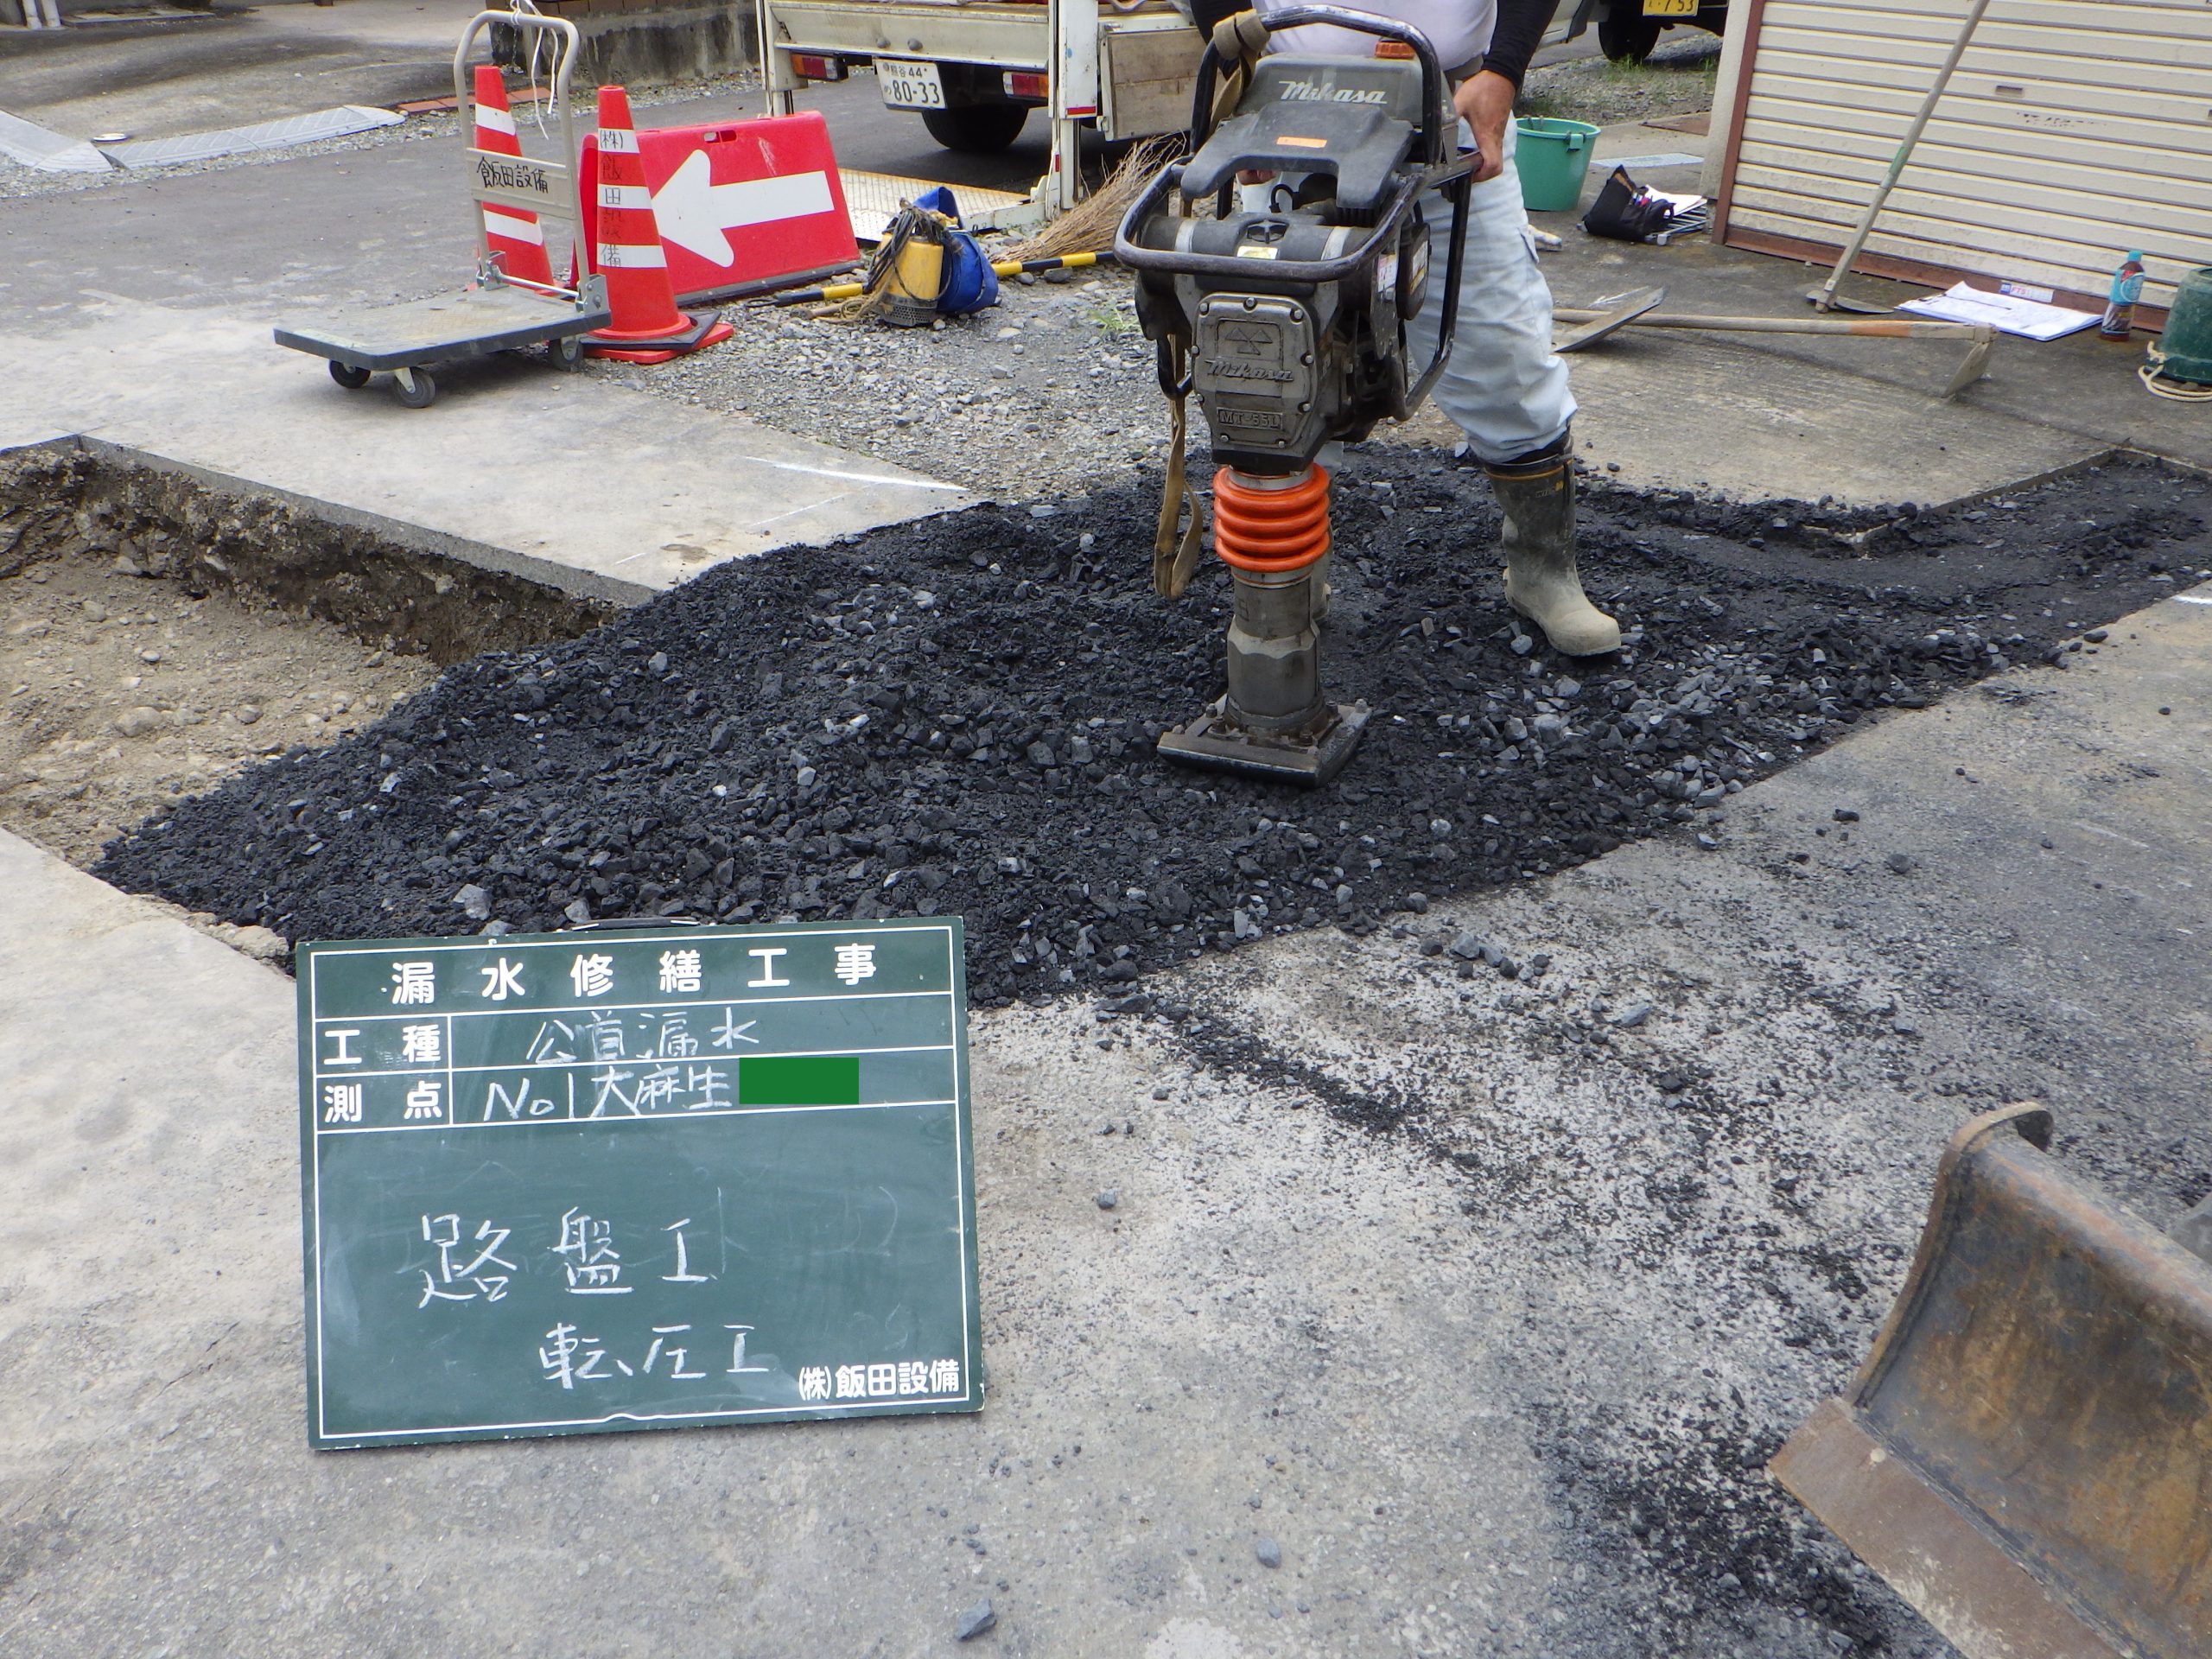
743 207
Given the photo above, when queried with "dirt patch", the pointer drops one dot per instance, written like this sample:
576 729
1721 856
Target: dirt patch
124 693
958 716
157 636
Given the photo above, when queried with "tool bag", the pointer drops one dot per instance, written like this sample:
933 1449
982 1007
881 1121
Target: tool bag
1627 211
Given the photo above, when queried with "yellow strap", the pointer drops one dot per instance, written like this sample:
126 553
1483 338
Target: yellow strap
1174 558
1241 40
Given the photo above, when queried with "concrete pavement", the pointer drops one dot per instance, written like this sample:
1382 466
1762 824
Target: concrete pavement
1864 420
158 77
384 222
1859 420
1407 1357
1437 1363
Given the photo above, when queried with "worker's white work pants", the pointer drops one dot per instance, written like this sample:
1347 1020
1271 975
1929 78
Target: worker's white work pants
1502 385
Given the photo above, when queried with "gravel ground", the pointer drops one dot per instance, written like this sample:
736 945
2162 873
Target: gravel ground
1678 79
1650 1140
1057 374
1058 371
958 715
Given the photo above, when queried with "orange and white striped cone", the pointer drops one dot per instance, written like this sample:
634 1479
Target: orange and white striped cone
514 236
647 327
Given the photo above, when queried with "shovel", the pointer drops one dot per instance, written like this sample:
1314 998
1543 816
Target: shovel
1610 314
1980 337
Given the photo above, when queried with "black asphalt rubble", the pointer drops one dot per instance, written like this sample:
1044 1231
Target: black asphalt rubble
956 716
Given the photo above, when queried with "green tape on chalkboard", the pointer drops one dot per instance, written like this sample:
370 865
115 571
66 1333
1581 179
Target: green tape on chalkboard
799 1080
554 1184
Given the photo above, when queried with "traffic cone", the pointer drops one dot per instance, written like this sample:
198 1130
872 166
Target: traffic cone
647 327
513 235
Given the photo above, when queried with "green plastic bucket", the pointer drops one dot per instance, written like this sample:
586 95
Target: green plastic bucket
1553 156
2184 351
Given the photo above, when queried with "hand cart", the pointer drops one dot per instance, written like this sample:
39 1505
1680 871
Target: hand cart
496 313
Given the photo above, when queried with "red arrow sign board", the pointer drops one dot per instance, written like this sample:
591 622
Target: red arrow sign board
743 207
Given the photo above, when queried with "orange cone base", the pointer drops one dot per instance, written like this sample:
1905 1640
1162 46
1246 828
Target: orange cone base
706 330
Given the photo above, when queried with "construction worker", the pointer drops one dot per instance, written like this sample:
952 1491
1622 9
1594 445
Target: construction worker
1503 387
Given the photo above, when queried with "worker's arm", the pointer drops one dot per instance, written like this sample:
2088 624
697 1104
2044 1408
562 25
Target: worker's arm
1485 100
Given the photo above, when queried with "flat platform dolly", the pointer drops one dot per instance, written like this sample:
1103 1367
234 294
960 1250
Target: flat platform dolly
498 312
405 340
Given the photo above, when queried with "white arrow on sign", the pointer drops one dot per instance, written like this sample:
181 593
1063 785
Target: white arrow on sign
693 211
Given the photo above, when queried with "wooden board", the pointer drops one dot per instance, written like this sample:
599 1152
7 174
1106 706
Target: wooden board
1149 74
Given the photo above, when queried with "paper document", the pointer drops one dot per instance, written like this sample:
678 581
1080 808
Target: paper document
2007 311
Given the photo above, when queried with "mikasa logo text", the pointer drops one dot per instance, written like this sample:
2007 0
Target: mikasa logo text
1305 91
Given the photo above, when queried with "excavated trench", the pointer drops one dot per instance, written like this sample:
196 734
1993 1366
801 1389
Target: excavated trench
157 634
958 716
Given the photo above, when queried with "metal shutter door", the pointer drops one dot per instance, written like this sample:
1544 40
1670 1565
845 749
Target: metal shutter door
2072 132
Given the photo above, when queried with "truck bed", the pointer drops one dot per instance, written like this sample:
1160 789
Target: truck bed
1012 33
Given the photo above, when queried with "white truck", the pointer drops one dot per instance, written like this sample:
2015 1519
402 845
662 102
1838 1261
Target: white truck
972 70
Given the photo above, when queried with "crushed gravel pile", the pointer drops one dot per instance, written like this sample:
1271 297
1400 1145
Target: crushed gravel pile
958 716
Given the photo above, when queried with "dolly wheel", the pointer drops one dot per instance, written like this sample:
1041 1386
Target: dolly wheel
415 388
567 353
348 376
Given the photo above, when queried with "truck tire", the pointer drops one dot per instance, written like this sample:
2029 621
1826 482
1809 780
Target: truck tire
1625 35
977 129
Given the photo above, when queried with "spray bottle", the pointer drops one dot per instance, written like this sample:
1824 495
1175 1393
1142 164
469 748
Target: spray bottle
2127 287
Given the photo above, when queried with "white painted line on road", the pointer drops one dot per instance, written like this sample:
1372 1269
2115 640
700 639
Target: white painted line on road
1666 158
2191 598
811 506
2114 835
853 478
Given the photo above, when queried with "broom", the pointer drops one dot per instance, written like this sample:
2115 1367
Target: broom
1089 227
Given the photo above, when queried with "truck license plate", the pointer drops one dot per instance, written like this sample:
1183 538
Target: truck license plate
1670 8
908 85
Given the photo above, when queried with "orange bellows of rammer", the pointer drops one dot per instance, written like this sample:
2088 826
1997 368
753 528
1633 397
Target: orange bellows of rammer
1271 532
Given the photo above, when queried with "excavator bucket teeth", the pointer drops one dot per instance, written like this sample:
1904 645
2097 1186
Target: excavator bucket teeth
2027 1455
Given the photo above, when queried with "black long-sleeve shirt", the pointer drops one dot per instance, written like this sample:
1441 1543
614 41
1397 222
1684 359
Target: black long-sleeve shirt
1521 26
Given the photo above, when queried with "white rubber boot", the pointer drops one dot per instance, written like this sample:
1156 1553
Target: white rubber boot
1541 582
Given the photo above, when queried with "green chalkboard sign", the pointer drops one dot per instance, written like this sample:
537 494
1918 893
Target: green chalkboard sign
570 1183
